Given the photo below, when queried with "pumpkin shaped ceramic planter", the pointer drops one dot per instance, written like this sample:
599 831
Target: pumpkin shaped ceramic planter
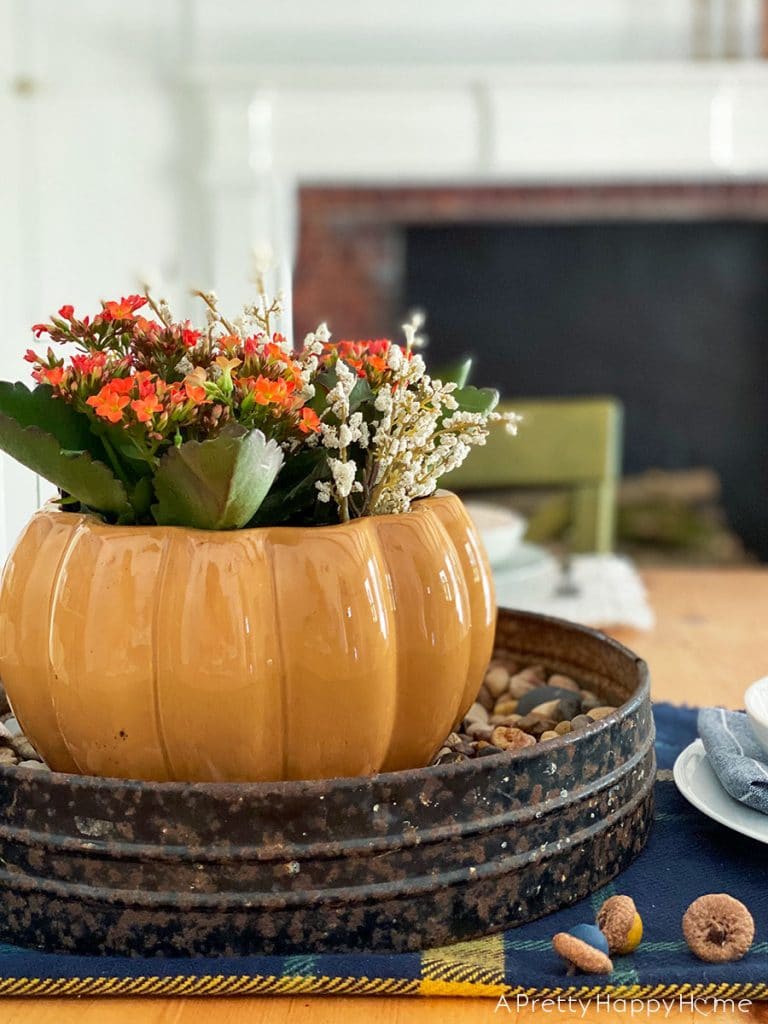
168 653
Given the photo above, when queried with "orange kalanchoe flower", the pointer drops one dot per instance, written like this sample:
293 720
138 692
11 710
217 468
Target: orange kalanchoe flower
145 408
53 375
124 309
194 393
109 403
309 421
272 392
147 326
121 385
362 356
194 385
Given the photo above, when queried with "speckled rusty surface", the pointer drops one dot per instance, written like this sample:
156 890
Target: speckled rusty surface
391 862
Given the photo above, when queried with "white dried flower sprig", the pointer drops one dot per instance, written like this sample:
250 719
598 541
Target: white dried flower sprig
420 434
350 429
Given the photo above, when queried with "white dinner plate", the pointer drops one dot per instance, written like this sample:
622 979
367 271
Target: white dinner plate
501 529
696 780
529 574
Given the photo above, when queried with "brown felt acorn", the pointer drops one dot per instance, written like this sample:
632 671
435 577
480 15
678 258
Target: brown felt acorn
718 928
585 949
620 923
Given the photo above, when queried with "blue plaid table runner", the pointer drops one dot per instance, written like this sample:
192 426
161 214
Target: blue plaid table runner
687 855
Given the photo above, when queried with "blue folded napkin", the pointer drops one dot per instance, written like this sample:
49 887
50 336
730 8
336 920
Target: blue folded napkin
738 760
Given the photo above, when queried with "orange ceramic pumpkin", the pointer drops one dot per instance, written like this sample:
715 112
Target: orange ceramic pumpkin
277 653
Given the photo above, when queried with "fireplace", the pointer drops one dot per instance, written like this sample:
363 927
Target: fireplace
655 294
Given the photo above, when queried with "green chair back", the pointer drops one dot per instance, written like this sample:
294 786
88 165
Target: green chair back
570 443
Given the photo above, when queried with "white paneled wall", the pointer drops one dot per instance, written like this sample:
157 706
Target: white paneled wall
164 139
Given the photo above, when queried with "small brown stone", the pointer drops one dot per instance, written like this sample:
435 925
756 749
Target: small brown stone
509 738
537 672
597 714
718 928
564 683
550 734
452 757
505 660
520 685
547 710
590 700
496 680
563 728
477 713
499 660
535 726
24 749
506 706
480 731
581 722
484 697
513 719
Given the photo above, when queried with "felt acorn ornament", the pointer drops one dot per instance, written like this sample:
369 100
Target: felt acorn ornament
620 923
718 928
585 949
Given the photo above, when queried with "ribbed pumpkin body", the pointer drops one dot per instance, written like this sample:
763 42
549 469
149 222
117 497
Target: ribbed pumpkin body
168 653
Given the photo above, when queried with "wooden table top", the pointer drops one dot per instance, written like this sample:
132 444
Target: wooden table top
708 645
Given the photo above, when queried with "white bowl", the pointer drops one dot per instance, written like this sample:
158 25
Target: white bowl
756 703
500 528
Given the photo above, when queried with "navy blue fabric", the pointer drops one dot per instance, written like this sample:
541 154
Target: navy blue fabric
687 855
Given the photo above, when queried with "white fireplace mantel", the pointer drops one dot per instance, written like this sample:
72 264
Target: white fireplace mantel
273 128
639 122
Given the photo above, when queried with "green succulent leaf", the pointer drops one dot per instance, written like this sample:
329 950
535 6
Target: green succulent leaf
482 400
453 373
217 484
38 408
294 492
76 472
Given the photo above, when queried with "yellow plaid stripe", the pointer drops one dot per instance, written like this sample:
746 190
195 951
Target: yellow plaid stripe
437 981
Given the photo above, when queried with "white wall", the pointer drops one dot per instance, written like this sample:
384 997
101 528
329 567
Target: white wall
165 138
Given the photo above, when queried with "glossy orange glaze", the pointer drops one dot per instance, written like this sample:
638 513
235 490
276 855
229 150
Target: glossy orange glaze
277 653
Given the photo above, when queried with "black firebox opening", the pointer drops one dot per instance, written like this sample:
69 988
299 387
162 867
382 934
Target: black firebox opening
671 317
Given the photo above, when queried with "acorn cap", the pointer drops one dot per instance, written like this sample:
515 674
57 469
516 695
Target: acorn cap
581 955
718 928
615 919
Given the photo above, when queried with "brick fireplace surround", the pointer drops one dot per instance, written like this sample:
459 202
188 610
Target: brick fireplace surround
351 255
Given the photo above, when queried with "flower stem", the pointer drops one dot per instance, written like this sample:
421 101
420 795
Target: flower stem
114 461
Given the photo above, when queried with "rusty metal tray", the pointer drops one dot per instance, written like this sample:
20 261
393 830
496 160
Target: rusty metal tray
396 862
